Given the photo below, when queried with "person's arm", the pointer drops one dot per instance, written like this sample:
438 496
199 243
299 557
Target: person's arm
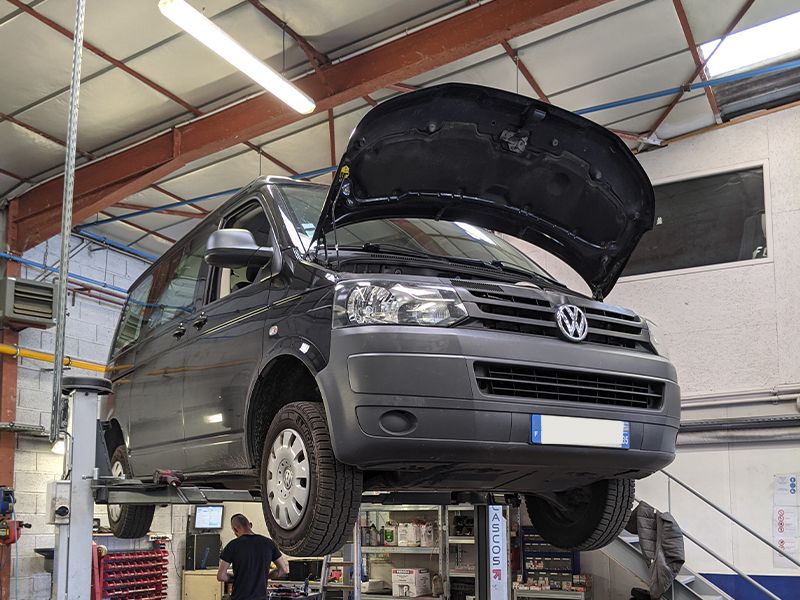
282 570
222 572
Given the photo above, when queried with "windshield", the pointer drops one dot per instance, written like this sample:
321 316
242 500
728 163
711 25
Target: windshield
438 238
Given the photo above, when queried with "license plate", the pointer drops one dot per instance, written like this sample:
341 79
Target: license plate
552 430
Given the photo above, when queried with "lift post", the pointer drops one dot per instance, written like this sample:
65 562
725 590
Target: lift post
73 506
491 574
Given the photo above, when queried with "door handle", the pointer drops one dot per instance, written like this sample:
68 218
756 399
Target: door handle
201 320
179 332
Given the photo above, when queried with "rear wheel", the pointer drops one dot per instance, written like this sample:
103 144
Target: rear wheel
310 499
585 518
127 520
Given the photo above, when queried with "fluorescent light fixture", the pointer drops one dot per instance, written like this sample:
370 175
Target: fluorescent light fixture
215 418
207 33
58 447
760 44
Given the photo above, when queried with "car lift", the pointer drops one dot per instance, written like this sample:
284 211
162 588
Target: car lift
72 502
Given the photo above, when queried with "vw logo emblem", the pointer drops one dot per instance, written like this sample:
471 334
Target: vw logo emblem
572 322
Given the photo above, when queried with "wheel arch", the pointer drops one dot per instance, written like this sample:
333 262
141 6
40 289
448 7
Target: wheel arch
289 374
114 435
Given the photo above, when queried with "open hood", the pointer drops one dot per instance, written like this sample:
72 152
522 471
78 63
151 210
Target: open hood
500 161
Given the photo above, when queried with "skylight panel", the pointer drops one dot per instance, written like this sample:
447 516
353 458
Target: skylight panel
756 45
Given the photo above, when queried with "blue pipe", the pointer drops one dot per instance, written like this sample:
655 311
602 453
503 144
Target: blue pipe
117 245
694 86
50 269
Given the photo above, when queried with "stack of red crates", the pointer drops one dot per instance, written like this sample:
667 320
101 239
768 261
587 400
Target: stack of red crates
140 575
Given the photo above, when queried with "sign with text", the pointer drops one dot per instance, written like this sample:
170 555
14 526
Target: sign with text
785 516
498 554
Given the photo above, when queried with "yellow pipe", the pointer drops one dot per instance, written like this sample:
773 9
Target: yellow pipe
14 350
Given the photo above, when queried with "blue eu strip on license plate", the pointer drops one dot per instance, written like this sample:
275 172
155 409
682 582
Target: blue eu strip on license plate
553 430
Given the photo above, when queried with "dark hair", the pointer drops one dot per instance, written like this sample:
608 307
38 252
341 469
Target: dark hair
239 520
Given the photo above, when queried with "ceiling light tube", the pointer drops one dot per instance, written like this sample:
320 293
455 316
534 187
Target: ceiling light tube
207 33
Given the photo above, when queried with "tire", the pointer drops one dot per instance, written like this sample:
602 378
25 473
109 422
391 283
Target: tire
128 520
310 499
586 518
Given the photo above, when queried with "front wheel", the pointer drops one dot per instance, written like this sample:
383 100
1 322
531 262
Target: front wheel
310 499
585 518
127 520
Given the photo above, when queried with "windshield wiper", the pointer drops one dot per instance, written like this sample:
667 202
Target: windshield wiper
512 268
389 249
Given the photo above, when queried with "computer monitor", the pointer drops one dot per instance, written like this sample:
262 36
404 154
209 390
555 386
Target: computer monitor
208 517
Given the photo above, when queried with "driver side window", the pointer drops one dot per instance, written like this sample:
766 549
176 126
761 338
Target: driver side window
253 218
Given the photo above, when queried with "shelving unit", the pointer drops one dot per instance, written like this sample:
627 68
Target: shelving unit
462 553
381 559
541 560
400 550
457 539
388 597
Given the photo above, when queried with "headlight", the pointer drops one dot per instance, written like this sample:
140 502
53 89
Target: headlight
657 339
395 303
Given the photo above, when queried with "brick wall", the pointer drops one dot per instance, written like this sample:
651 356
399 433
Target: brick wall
89 329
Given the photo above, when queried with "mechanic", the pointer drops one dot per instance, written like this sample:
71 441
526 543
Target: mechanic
250 555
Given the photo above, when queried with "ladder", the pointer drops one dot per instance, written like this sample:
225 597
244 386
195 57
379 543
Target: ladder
350 587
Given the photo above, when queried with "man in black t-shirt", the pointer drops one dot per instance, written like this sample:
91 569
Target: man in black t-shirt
251 555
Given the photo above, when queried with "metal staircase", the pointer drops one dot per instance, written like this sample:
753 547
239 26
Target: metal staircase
689 585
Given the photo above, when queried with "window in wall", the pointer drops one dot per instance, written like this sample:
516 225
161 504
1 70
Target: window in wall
254 219
130 325
705 221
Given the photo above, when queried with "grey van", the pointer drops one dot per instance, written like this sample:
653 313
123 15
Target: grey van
382 333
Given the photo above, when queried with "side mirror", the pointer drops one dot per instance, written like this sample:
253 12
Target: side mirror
233 248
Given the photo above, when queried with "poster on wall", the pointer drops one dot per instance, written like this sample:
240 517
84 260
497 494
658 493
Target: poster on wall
785 492
785 513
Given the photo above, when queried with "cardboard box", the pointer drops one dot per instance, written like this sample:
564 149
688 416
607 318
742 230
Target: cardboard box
411 583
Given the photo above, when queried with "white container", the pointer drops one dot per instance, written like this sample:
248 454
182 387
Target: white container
411 583
407 534
427 535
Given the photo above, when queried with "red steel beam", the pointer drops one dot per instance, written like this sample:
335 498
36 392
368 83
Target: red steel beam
402 87
142 229
271 158
14 176
700 67
177 198
512 54
8 403
698 62
104 182
39 132
370 100
332 137
315 57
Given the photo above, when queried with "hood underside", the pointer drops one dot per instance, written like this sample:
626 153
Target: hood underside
500 161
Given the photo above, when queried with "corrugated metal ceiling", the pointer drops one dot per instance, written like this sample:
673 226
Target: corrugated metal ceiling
624 48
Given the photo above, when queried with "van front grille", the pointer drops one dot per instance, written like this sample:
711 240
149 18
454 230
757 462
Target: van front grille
562 385
524 311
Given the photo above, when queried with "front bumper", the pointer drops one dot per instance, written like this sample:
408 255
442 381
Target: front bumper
443 431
